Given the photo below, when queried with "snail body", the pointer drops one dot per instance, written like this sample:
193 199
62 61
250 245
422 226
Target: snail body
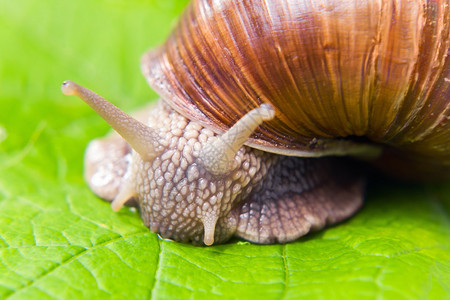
250 90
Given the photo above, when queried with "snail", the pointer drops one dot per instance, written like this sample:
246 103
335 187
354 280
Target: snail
261 101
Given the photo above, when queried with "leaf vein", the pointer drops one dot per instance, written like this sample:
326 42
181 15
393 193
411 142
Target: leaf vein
69 260
157 270
286 271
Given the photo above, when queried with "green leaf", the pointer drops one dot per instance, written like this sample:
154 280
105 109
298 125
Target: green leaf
58 241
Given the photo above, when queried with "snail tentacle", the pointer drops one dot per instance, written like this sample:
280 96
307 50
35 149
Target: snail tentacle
127 190
140 137
218 155
209 224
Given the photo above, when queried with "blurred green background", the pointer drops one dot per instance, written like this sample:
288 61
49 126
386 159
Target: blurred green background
58 241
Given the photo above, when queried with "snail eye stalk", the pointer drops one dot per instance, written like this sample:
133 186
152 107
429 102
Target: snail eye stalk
218 155
140 137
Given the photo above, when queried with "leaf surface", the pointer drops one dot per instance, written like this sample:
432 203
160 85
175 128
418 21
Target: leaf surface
58 241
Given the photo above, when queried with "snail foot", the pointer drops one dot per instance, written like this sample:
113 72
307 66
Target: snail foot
299 196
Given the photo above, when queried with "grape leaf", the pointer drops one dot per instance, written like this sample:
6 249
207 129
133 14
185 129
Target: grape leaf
59 241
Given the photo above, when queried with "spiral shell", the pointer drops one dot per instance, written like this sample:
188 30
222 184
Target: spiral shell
332 69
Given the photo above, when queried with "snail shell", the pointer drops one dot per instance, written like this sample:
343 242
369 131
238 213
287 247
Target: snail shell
296 78
333 70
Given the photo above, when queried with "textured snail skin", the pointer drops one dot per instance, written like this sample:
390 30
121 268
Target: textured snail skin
265 198
332 69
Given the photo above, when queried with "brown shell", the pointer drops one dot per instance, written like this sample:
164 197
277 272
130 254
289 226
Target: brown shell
332 69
